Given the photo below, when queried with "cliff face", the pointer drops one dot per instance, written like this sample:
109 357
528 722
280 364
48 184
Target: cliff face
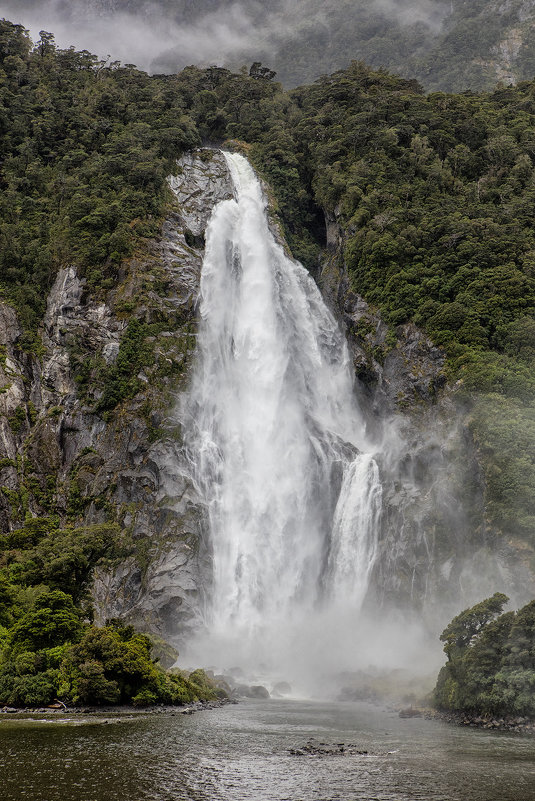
437 550
61 456
161 586
66 452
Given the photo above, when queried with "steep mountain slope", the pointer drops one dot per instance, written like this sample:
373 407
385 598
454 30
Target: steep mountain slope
414 211
479 44
447 46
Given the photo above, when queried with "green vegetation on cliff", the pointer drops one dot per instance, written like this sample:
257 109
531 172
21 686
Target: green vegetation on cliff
491 661
50 650
86 148
432 196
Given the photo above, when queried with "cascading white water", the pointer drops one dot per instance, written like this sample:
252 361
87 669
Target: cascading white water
276 442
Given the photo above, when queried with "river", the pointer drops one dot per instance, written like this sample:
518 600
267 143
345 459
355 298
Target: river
241 753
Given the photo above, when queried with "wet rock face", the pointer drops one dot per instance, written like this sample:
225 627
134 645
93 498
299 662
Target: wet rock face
70 319
202 181
402 367
162 591
436 553
58 455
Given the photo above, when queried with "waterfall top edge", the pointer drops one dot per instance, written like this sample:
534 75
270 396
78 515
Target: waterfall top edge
244 177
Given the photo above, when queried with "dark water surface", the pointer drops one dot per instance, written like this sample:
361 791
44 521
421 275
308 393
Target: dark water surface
240 753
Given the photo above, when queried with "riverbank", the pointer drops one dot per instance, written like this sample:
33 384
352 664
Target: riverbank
509 723
56 709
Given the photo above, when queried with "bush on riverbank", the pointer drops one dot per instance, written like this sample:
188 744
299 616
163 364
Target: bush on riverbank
491 661
88 665
49 648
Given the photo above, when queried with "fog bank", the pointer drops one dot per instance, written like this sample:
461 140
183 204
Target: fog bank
165 36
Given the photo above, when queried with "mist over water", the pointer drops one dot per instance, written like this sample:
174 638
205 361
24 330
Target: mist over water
278 449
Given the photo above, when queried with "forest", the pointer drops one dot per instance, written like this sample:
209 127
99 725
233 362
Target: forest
433 194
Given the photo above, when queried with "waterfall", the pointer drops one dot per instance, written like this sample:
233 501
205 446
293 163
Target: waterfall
275 440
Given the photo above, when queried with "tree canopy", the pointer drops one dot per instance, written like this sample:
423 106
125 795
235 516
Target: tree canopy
491 660
50 650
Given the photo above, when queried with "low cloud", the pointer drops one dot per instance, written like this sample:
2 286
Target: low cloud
140 39
156 38
407 12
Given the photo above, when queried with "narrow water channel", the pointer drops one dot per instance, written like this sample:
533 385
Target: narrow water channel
241 753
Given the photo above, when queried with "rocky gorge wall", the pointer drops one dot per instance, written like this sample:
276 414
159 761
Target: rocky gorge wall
62 454
438 553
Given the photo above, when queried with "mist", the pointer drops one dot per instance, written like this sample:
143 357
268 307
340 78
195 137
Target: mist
165 37
407 12
322 652
141 38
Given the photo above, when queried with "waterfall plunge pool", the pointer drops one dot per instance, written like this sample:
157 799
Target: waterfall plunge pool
242 753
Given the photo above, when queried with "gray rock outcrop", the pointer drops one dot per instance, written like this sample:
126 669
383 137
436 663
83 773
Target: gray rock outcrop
59 454
436 553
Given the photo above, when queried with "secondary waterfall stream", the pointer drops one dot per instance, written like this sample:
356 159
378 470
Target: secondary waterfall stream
277 444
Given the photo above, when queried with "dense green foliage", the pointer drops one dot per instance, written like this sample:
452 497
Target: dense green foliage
85 150
491 661
433 195
49 649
